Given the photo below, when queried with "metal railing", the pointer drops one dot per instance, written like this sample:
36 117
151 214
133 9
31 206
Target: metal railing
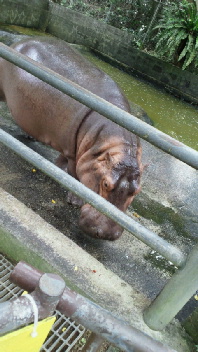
155 313
48 291
122 118
160 245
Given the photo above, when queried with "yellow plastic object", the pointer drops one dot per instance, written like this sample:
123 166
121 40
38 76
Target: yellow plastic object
22 341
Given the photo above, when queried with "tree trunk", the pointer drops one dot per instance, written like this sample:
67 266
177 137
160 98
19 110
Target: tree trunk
196 4
153 20
194 1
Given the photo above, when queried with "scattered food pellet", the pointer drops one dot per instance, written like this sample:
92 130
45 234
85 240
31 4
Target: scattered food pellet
136 215
196 297
83 341
34 170
94 271
53 201
76 268
63 329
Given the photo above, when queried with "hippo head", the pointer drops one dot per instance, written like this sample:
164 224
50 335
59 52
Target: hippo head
116 178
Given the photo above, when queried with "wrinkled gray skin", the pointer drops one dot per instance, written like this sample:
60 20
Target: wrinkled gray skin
102 155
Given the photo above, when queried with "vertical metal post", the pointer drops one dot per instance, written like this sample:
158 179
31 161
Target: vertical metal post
19 311
175 294
93 344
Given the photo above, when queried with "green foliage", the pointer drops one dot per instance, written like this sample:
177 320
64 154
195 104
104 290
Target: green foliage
177 37
129 15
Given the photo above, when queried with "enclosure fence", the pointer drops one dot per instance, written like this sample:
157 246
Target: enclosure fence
172 298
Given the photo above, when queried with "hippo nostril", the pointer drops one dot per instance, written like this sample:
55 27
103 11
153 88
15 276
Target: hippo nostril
117 234
98 233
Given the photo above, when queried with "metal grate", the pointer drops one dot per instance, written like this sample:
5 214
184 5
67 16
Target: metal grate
63 336
65 333
7 289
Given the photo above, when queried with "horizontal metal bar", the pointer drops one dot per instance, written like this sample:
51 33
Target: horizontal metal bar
177 292
92 316
122 118
157 243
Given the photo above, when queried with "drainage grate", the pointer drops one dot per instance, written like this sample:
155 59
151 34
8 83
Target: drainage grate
7 289
65 333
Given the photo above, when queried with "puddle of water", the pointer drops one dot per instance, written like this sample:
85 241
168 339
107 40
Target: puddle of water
169 114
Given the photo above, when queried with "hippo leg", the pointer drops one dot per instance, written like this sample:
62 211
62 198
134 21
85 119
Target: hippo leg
74 200
62 162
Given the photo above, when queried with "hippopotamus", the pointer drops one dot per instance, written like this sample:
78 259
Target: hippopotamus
96 151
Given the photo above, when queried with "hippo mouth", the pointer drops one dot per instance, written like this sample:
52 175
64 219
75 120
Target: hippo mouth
98 225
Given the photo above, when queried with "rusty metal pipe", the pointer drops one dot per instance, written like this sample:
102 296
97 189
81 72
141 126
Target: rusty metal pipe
18 312
92 316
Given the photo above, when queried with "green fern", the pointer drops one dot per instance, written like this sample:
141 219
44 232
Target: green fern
196 44
177 36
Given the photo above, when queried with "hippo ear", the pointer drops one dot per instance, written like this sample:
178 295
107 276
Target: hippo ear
108 158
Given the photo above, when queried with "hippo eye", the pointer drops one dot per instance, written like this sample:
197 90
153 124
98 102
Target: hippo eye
105 184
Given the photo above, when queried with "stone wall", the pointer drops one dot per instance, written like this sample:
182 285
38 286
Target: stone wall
111 42
24 13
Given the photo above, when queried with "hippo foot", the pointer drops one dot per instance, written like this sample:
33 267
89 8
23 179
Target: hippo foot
74 200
